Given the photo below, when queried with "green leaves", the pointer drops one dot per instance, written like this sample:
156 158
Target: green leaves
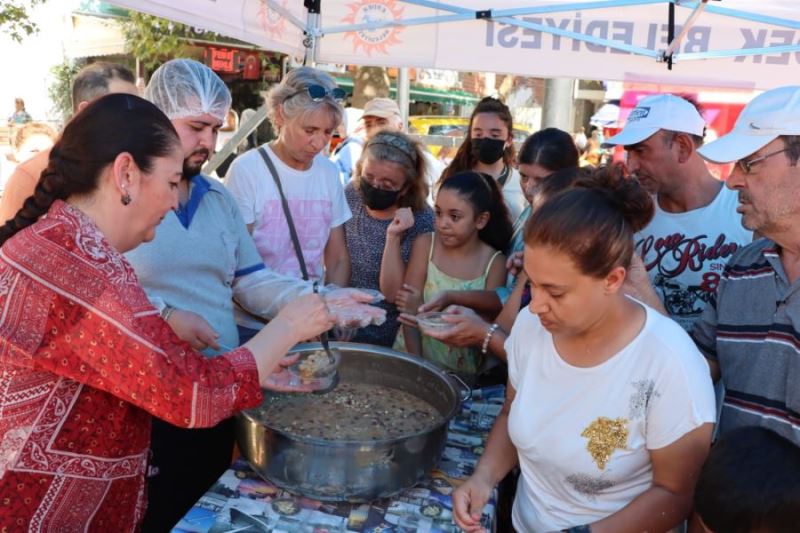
15 18
60 89
151 39
154 40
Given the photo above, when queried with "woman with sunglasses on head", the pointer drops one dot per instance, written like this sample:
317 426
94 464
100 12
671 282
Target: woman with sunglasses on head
489 148
390 218
289 193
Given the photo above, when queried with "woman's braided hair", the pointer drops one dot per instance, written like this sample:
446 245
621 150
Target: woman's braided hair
92 140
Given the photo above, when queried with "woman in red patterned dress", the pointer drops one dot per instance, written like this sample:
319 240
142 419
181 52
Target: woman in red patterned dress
85 359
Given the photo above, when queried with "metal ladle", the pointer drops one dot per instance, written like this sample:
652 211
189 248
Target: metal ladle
323 337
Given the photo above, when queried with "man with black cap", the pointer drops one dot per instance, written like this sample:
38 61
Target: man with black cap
695 228
750 332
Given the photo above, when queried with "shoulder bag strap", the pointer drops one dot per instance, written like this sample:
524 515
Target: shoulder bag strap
288 214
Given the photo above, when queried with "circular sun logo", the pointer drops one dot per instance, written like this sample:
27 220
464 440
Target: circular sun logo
271 21
367 11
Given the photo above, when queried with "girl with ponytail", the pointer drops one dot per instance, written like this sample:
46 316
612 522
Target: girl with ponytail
471 227
609 407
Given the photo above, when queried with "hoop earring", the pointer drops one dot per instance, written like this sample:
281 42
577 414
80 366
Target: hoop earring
126 198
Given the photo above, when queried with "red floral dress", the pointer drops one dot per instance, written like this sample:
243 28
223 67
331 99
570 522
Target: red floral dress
85 361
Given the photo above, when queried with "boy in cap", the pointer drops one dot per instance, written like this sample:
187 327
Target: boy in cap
695 228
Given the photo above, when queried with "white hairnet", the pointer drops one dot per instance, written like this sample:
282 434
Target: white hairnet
185 88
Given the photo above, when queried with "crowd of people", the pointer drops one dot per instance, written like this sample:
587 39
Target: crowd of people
145 303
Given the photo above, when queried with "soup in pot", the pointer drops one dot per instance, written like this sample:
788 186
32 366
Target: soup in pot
351 411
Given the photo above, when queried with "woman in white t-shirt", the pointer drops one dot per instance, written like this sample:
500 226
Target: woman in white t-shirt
609 408
305 110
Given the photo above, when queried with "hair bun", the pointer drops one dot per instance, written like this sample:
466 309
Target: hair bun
626 194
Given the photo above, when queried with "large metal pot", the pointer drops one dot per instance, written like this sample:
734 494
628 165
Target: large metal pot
357 471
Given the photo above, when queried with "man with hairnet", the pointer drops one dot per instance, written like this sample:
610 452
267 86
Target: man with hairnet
201 259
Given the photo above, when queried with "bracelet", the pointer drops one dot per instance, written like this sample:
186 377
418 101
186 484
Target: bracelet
488 337
167 312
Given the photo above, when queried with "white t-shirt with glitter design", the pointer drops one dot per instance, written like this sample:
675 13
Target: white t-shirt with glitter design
583 434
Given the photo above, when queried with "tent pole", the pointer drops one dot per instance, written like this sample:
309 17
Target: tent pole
311 33
245 129
675 42
557 108
403 89
671 33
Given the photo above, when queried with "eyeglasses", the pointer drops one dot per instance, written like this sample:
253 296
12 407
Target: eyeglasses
746 165
318 92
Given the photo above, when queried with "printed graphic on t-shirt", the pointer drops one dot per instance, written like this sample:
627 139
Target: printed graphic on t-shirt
685 270
312 220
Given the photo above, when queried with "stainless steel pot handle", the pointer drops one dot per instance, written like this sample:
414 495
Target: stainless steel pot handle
464 389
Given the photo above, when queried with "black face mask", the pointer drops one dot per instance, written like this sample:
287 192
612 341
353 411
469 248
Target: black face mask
377 199
487 150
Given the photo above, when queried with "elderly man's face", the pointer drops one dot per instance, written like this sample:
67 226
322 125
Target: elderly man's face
373 125
769 195
198 136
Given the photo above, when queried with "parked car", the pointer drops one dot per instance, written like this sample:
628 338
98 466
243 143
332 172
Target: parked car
446 126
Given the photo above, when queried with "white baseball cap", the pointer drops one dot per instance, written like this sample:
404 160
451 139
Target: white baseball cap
764 119
381 107
659 112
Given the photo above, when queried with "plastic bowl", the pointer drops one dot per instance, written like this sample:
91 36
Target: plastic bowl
377 296
315 370
434 321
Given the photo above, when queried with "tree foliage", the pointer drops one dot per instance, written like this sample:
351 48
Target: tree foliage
154 40
15 18
60 89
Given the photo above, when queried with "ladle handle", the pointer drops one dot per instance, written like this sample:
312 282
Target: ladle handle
323 337
463 388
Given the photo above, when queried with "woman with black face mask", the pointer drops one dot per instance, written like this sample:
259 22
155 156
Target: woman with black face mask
387 197
489 148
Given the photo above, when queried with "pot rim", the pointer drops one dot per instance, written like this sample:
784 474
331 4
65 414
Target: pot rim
373 349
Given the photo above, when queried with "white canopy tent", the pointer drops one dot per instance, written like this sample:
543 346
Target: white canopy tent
748 44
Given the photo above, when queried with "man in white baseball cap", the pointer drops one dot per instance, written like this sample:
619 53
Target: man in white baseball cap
695 228
751 334
380 114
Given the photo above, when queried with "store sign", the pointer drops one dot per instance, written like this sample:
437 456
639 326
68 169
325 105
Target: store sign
233 61
442 79
220 59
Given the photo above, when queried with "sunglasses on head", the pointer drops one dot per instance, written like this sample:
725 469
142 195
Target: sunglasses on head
318 92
